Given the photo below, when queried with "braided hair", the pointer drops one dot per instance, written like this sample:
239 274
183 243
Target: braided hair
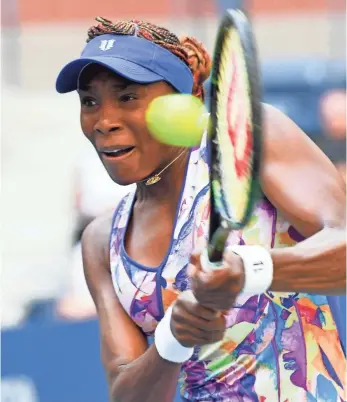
188 49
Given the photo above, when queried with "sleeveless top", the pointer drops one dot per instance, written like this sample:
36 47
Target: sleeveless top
279 347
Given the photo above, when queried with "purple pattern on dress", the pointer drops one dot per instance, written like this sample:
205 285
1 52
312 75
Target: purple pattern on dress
265 359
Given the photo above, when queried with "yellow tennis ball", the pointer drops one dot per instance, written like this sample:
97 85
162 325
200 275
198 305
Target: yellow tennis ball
177 119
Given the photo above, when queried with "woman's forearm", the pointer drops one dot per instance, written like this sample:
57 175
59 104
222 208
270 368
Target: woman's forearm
316 265
148 378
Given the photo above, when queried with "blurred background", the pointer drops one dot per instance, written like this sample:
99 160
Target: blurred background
53 184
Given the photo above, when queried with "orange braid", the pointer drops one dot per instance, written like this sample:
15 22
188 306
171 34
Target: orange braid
188 49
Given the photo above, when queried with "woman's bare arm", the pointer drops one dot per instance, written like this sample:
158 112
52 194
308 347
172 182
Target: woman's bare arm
135 371
305 186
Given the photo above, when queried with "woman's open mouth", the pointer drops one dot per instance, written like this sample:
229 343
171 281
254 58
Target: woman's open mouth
117 153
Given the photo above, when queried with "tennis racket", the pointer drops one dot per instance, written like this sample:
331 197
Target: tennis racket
234 133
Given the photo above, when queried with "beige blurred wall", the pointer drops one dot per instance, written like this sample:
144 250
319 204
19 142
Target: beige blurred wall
53 32
42 49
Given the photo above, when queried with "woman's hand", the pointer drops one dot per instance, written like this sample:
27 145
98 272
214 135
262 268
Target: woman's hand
193 324
217 290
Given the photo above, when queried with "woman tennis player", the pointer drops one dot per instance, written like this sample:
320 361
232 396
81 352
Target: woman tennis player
142 262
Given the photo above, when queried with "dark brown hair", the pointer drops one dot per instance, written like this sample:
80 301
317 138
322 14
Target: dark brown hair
188 49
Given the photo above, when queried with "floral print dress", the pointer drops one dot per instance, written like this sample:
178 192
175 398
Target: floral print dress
279 347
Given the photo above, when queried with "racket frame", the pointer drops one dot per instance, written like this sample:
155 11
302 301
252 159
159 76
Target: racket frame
220 227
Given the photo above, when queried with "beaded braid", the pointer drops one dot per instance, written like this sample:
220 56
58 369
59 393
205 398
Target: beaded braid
189 50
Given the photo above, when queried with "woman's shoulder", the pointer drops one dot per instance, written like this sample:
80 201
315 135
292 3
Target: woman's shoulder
98 231
95 238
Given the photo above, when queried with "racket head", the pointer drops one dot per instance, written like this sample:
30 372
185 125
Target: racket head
235 130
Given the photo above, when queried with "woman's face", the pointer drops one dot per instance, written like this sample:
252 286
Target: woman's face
113 119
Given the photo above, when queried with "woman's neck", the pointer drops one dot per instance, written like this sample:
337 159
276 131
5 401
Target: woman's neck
167 190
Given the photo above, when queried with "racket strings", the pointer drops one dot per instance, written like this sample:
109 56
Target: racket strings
233 142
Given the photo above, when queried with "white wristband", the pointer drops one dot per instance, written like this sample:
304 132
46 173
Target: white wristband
258 267
167 345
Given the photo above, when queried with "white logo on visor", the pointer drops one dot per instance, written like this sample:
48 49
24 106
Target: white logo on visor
106 45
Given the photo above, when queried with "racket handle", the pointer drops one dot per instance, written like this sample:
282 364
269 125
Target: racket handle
257 263
207 265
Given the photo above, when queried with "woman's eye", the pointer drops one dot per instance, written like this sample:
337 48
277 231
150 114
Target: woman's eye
88 102
127 97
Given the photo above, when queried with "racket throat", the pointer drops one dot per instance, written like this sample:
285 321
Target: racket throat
217 245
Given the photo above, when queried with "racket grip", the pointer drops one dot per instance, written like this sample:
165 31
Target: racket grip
207 265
